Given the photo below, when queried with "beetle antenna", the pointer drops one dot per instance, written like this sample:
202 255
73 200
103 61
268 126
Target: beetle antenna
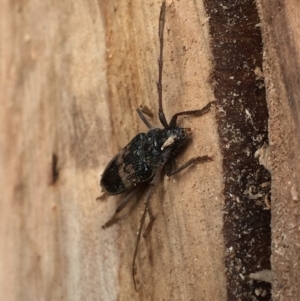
161 27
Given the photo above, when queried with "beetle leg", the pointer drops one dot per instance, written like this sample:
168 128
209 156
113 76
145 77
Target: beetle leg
149 195
122 205
188 163
150 224
142 222
197 113
170 165
142 116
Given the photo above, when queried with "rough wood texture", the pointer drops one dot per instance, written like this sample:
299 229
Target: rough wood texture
243 129
55 103
281 37
182 259
72 75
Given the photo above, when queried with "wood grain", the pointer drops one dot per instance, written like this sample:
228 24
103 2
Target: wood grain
72 75
281 37
182 259
54 102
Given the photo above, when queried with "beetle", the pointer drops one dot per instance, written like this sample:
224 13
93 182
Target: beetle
148 155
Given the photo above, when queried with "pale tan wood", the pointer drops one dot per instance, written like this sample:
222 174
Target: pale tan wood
56 60
281 37
54 101
182 259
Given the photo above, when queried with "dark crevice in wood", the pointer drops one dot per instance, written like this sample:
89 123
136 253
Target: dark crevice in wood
243 129
54 169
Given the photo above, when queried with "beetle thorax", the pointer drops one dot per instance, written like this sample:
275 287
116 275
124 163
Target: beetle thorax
168 138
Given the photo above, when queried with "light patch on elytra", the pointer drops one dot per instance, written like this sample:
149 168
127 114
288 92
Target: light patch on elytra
124 172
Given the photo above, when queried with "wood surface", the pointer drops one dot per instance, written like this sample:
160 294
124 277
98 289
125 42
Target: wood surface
72 75
281 37
176 261
54 103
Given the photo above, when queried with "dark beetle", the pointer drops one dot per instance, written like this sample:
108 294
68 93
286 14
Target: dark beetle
139 160
146 156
